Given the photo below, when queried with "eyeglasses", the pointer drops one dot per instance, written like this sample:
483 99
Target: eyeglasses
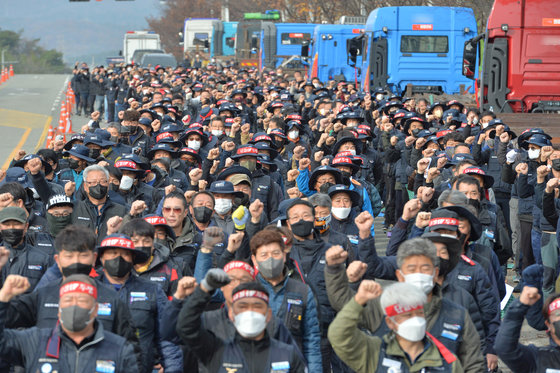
176 210
61 214
296 218
94 183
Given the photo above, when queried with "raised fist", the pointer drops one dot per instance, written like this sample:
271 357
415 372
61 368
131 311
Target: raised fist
529 295
368 290
138 207
14 285
212 236
356 270
336 255
215 279
185 287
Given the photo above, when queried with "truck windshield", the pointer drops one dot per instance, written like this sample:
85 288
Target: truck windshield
424 44
294 38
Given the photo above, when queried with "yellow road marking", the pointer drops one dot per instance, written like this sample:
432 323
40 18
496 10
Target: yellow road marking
19 145
44 134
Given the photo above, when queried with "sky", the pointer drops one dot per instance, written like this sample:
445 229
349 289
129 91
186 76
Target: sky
78 29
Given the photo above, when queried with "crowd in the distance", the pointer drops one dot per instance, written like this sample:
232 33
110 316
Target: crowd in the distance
222 220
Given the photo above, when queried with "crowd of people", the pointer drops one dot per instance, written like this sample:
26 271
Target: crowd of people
222 220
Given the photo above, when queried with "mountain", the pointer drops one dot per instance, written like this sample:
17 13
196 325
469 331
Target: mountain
80 30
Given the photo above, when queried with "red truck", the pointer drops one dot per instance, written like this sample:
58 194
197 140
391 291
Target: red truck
521 58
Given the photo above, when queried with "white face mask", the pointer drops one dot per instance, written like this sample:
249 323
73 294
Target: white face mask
379 97
352 151
222 206
193 144
293 134
484 125
217 132
341 212
534 153
126 182
250 324
422 281
413 329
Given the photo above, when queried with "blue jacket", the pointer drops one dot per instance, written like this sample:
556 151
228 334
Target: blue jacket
32 347
521 358
302 181
146 301
278 298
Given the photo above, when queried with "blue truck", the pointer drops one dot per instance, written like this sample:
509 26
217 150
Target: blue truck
417 47
328 52
223 40
269 44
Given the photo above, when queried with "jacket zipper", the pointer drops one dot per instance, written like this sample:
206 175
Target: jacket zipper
81 348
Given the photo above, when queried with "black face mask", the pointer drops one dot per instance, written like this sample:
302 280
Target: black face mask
191 165
346 174
160 174
124 140
117 267
94 153
556 164
415 132
202 214
58 223
475 203
462 239
12 236
132 129
98 192
73 164
444 267
325 188
147 250
241 201
76 269
302 228
114 187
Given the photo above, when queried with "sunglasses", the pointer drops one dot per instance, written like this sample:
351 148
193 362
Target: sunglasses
176 210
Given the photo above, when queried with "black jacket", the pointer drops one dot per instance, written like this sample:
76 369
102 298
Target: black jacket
212 349
86 214
521 358
36 347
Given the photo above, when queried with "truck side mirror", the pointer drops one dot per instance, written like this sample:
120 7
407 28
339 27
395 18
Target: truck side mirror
254 42
353 49
305 48
469 58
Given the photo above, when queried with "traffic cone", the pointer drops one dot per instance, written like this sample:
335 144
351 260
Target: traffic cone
3 76
11 70
6 74
50 136
62 119
68 119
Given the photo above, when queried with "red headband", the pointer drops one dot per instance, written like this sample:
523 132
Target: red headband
250 294
237 264
125 163
156 220
121 242
444 221
554 306
78 287
397 309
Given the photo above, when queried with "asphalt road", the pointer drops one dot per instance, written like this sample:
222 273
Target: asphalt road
28 105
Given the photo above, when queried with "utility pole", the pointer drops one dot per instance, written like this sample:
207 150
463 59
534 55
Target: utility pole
225 11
